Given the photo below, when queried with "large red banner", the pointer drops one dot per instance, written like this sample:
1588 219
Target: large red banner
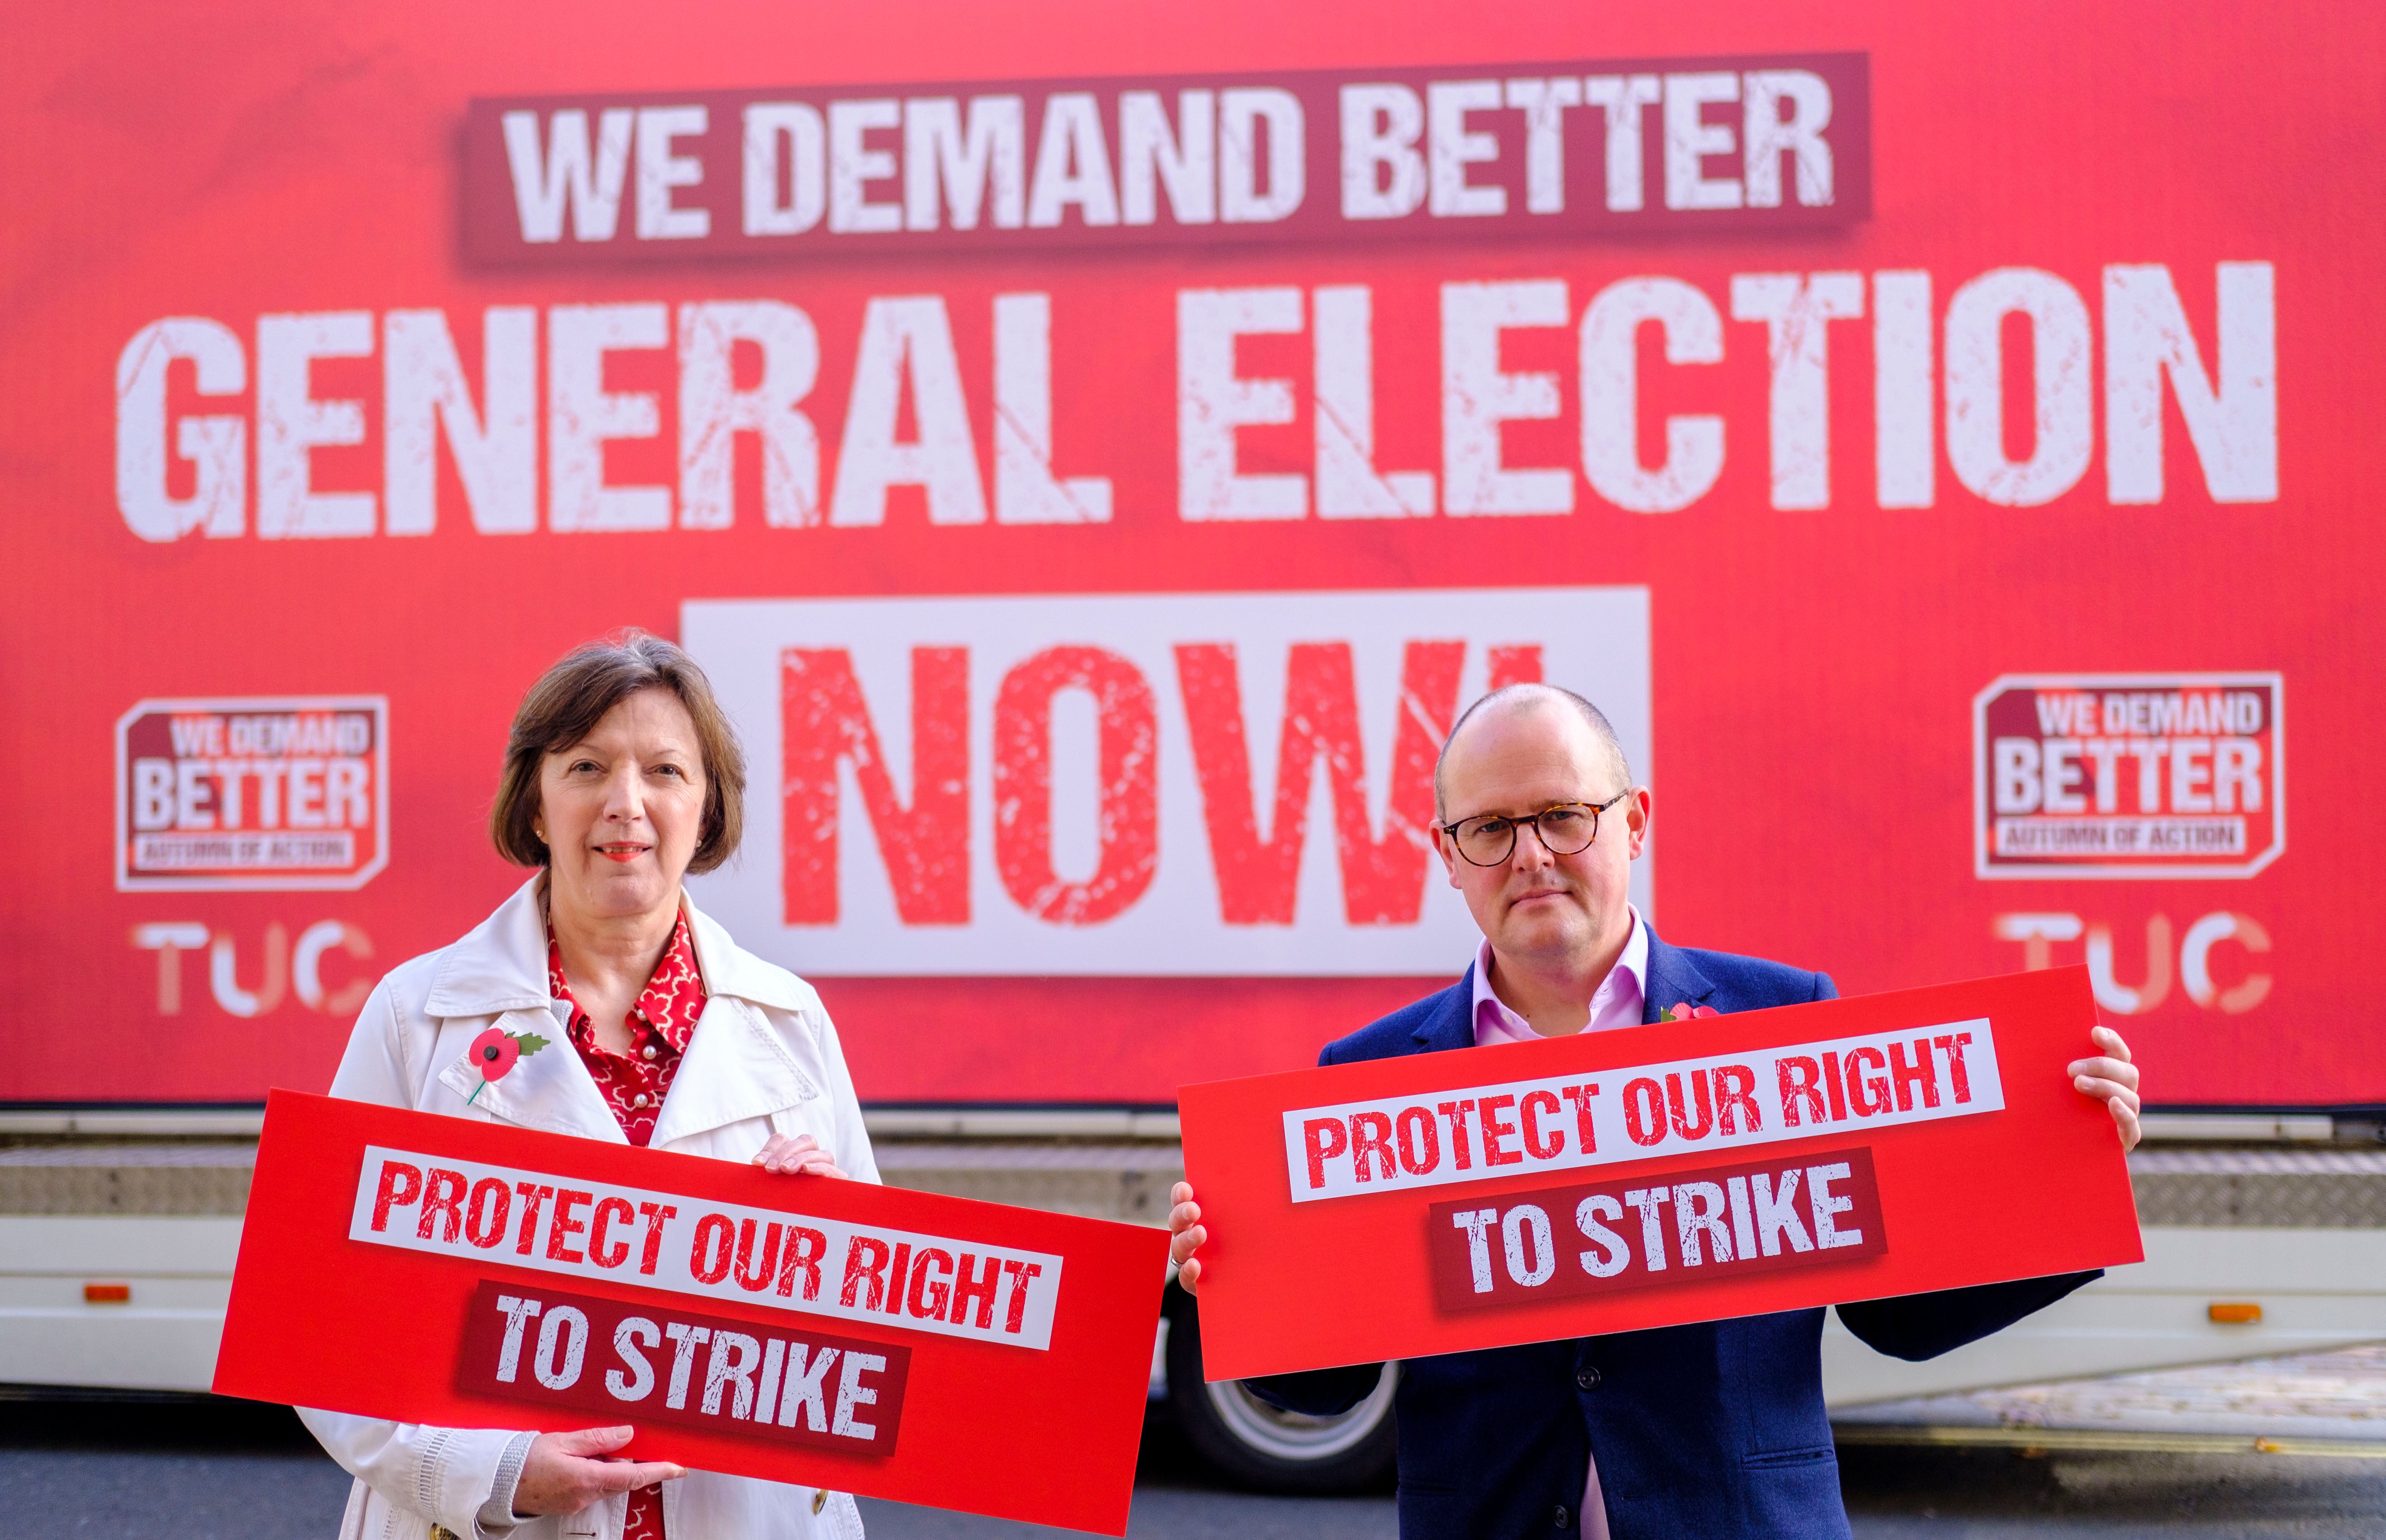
1767 1160
830 1334
1097 454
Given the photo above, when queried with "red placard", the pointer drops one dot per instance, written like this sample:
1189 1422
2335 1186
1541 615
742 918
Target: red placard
829 1334
1766 1160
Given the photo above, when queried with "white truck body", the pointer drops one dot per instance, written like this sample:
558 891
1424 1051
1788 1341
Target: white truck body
2289 1217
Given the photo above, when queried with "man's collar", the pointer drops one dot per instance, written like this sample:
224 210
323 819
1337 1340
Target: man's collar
1672 980
1635 957
1633 961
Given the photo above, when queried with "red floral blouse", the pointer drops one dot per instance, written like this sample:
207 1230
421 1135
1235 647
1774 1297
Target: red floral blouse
635 1084
660 1025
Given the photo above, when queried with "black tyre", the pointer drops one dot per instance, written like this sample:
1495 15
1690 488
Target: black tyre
1256 1446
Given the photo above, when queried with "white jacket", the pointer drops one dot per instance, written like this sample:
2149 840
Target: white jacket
764 1060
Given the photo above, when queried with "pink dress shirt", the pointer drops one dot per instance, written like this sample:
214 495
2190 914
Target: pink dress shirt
1615 1003
1618 1002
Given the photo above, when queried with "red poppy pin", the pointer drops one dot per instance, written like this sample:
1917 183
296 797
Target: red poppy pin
494 1053
1682 1011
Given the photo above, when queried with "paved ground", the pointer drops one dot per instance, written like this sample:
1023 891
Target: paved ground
2333 1397
1974 1495
197 1469
228 1469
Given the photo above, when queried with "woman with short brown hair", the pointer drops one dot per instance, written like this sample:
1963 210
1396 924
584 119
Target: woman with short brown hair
622 775
565 705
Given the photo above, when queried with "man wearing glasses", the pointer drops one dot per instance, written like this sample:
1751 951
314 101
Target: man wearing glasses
1709 1429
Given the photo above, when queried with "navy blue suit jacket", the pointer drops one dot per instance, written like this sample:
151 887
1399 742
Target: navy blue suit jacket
1701 1432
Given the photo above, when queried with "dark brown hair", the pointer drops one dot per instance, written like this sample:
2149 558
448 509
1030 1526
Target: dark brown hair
568 702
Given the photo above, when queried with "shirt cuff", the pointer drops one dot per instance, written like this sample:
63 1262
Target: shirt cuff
496 1516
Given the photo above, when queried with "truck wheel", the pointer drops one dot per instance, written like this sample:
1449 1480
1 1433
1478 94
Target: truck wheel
1255 1445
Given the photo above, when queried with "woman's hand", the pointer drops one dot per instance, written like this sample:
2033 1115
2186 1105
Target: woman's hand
1186 1235
565 1472
2111 1080
800 1156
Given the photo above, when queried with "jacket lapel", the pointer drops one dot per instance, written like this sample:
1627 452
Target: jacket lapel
499 964
729 969
549 1090
497 975
1672 980
737 1068
1449 1025
737 1065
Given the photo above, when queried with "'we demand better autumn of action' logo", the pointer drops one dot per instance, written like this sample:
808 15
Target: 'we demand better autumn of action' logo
274 794
2129 775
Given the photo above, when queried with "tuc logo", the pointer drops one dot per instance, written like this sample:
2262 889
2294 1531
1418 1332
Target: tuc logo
2235 986
278 794
2129 775
1235 785
279 969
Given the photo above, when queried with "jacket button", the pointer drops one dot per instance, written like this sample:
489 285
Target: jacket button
819 1499
1586 1378
1562 1518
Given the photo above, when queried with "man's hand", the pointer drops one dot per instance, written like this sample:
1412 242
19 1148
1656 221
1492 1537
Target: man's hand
565 1472
2113 1080
1186 1235
800 1156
